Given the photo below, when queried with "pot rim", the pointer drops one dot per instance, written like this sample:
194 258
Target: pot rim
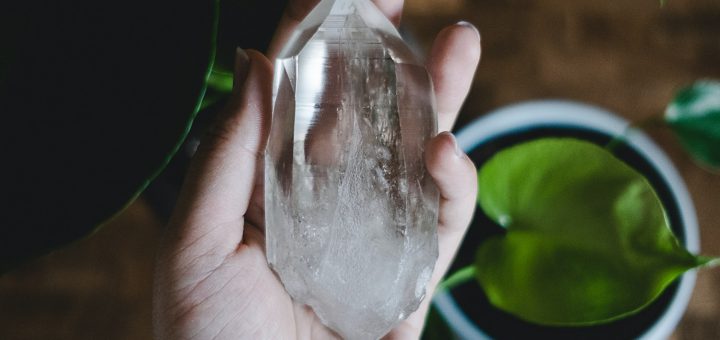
518 117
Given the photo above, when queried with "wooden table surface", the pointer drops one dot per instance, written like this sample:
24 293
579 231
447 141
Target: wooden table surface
628 56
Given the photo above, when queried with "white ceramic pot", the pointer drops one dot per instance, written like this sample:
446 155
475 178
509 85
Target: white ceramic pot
555 113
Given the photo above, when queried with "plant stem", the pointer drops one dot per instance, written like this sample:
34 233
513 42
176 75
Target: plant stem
706 261
617 140
455 279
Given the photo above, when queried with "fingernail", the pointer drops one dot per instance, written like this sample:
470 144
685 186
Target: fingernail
453 140
242 65
471 26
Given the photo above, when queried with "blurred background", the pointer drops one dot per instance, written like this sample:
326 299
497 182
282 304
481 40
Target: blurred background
628 56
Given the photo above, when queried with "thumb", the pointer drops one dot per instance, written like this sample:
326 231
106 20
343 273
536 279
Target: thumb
221 177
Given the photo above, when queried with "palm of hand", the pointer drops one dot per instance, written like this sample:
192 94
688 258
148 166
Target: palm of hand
230 293
212 278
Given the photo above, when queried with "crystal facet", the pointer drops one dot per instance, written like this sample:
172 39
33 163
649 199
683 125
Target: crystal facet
351 213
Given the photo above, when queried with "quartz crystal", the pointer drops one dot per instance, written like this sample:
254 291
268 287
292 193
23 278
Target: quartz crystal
351 212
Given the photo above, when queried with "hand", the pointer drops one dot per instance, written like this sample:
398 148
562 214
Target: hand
212 278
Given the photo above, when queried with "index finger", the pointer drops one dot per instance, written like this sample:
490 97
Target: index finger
453 60
296 11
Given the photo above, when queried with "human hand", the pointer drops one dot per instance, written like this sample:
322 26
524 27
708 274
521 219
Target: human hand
212 278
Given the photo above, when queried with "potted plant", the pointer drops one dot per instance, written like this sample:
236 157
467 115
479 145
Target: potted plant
583 224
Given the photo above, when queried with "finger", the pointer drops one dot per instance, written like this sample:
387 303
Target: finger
222 175
453 60
297 10
455 176
392 9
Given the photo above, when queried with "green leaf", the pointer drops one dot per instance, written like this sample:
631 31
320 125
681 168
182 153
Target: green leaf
587 238
694 116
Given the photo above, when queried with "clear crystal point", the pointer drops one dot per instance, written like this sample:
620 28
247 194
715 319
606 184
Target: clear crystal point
351 213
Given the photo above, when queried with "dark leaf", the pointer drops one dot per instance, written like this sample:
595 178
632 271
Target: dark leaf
95 97
694 115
